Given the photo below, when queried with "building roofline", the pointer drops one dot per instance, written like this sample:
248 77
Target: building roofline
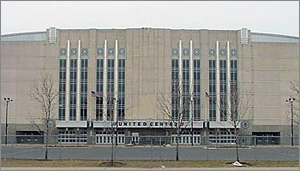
274 35
253 33
133 28
23 33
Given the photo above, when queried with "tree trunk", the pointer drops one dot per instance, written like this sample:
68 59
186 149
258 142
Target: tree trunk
236 144
177 146
46 152
112 148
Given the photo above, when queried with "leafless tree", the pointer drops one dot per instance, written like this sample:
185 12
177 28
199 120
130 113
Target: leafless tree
294 87
113 125
240 105
175 108
113 128
112 102
44 93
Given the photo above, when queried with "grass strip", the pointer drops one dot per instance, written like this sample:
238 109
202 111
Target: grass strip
142 163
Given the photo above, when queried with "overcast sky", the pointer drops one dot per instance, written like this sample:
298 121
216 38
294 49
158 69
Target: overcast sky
269 17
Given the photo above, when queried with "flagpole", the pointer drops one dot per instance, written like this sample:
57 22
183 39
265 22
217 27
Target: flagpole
206 128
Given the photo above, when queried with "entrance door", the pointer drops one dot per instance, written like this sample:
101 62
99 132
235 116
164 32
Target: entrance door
135 139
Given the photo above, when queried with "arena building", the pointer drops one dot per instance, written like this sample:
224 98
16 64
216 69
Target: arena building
116 77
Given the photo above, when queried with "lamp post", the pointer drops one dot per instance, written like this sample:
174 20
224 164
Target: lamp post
290 100
207 121
7 100
192 121
117 130
113 100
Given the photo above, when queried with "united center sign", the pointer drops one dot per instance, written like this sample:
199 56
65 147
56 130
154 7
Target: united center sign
148 124
145 124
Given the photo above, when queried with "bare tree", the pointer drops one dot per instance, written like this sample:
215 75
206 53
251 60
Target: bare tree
113 125
240 105
175 108
113 128
44 93
294 87
237 110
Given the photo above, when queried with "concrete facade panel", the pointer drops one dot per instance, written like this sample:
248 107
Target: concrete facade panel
264 69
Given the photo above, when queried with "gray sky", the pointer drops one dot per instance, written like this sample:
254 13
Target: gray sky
270 17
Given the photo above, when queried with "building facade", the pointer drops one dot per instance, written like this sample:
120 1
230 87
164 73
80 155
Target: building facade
117 77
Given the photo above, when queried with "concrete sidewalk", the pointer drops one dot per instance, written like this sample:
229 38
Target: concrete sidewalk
125 168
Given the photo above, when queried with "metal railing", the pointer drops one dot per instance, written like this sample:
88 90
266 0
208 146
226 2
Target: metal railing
151 147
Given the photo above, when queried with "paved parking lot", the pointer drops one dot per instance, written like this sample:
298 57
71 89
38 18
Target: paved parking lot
150 153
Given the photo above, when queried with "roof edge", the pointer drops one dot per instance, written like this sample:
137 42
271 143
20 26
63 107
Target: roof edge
253 33
274 35
23 33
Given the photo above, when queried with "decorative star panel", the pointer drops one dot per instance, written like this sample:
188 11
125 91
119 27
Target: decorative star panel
73 51
84 51
185 51
111 51
122 51
63 51
175 52
197 52
100 51
223 52
212 52
233 52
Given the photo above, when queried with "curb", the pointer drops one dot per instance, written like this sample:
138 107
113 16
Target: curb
122 168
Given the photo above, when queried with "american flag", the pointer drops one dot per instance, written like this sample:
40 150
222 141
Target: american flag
207 95
114 124
95 94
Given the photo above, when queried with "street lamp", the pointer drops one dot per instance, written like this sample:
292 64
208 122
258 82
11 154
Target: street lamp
113 100
192 121
7 100
290 100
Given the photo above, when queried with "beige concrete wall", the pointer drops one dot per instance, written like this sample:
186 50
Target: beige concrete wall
21 63
274 66
264 69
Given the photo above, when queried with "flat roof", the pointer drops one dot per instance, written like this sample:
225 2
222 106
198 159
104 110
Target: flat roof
27 36
255 36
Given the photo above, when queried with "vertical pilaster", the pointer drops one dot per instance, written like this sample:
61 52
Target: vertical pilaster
116 82
105 82
78 82
180 78
191 71
217 82
67 109
228 90
92 71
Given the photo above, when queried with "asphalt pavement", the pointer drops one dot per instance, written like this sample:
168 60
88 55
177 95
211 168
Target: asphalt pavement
150 153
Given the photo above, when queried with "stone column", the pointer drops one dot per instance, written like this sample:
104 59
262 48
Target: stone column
116 82
105 82
67 106
217 82
180 78
191 81
228 85
78 82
